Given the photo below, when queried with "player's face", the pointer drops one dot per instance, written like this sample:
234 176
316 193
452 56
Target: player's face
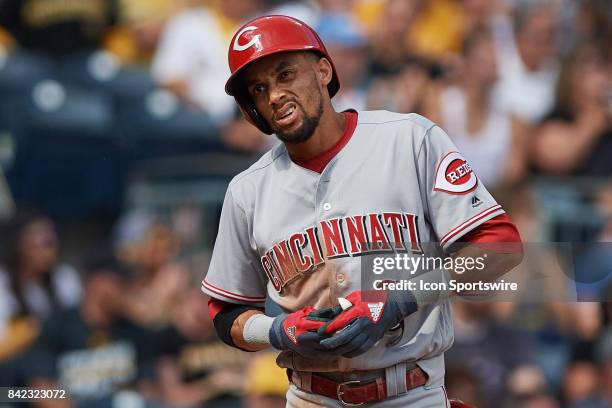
287 90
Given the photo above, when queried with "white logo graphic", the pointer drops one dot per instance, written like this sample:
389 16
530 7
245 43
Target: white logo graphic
375 310
454 175
254 41
291 333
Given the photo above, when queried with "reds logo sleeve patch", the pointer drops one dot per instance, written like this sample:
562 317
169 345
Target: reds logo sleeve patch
454 175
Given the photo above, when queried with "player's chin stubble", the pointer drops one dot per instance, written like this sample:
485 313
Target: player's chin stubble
306 130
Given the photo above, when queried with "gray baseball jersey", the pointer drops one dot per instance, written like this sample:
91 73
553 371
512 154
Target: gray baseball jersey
294 235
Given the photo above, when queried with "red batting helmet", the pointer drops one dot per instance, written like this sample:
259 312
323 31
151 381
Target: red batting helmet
265 36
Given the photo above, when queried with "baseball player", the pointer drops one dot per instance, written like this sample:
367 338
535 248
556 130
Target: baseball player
341 185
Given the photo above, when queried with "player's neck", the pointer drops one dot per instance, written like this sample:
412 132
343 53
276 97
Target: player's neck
330 130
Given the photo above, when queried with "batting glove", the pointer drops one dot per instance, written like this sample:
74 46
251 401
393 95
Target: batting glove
356 329
298 331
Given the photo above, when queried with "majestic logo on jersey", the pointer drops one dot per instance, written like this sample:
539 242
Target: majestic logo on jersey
375 310
355 235
454 175
254 41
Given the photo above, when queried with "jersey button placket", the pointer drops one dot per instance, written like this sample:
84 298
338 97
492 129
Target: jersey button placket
322 200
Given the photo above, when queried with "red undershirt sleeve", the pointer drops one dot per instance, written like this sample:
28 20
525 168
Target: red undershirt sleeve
497 230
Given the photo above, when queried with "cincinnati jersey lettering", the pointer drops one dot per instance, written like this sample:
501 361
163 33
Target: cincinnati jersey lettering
354 235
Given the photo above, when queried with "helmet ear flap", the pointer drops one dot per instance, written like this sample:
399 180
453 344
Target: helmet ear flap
251 114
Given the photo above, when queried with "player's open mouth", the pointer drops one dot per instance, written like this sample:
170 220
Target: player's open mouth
286 115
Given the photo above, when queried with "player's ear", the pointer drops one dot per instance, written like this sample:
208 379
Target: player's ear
324 71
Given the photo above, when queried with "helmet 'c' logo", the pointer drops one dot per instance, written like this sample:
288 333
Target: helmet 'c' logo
254 41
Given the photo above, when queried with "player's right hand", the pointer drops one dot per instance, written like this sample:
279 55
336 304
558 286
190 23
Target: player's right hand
362 324
298 331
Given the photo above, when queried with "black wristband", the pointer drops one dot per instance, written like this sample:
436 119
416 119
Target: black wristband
224 320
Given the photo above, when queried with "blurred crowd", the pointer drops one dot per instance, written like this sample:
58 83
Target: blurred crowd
130 327
88 89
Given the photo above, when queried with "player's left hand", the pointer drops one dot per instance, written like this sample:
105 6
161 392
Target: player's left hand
356 329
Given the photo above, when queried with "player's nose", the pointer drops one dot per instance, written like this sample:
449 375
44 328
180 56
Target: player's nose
277 96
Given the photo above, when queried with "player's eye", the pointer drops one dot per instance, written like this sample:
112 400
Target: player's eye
258 89
285 75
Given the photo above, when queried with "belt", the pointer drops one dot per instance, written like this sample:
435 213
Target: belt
358 392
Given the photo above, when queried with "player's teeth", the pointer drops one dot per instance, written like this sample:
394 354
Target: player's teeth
289 112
